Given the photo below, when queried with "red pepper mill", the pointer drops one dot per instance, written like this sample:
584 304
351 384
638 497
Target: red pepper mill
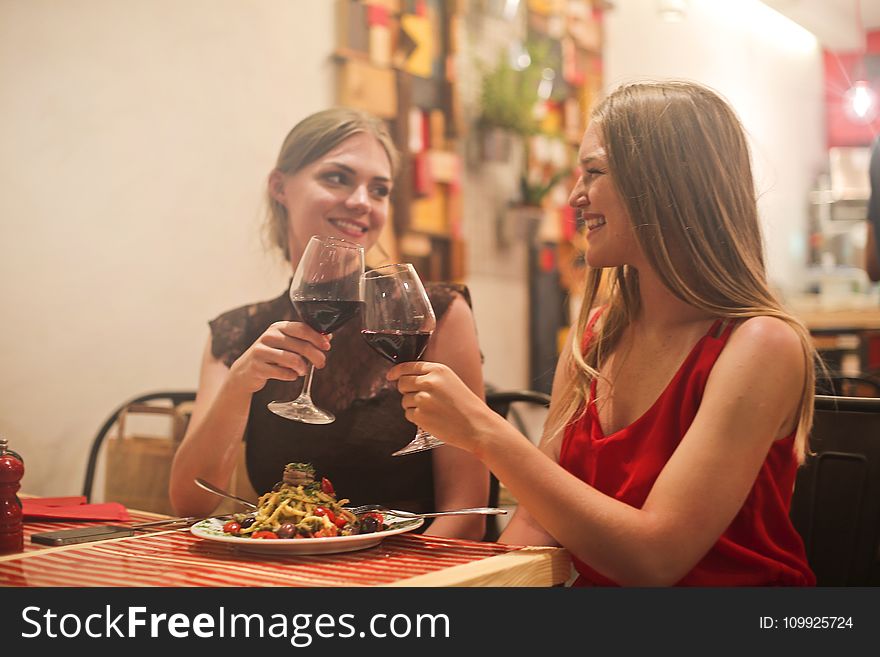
11 472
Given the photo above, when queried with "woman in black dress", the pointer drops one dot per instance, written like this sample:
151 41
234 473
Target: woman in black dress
333 177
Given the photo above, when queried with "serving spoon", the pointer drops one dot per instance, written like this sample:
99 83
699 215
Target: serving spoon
211 488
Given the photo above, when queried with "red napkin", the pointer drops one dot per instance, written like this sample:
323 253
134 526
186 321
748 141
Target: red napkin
71 508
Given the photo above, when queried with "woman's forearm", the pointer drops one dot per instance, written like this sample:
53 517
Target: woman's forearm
611 536
460 480
468 527
209 450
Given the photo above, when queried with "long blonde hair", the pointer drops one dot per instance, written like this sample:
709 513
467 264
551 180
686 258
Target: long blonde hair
678 156
312 138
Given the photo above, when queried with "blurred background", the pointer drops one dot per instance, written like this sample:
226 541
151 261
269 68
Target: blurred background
138 135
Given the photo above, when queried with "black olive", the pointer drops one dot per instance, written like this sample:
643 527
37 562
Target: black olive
247 522
287 530
369 525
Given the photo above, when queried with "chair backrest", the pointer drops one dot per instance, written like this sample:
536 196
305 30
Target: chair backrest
864 385
836 502
139 464
504 403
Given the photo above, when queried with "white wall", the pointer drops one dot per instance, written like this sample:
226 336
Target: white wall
770 70
136 137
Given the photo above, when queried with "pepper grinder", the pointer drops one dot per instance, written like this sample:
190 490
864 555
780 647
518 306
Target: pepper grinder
11 528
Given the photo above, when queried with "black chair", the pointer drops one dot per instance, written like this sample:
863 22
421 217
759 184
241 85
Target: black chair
864 385
160 401
836 502
504 403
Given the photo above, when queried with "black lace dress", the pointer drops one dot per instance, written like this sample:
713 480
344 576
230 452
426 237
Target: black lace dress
354 452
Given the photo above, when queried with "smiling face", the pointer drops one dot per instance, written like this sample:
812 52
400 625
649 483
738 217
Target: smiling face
344 194
610 237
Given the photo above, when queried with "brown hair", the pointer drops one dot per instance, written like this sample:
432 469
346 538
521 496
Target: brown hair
309 140
678 156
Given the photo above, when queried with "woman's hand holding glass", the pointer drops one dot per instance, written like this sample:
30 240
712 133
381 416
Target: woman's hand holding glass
436 399
283 352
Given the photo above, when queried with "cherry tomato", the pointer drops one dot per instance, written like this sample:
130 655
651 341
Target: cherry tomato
340 522
374 514
264 534
324 511
327 487
232 527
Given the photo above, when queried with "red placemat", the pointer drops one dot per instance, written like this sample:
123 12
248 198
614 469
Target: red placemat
178 558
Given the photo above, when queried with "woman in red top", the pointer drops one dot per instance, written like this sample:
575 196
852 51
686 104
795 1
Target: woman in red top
682 404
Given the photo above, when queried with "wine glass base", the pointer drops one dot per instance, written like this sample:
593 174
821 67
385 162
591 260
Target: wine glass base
421 443
301 412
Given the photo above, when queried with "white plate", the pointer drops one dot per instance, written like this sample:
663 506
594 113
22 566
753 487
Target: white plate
212 530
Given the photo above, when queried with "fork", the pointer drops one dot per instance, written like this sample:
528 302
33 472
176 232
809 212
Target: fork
480 510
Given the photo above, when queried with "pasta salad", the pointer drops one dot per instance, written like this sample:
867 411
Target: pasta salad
299 506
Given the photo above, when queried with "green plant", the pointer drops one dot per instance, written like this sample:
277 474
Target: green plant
508 100
508 95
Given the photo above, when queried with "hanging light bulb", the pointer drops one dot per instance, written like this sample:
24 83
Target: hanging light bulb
860 102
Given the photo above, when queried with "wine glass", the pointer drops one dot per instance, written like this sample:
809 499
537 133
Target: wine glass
325 291
398 322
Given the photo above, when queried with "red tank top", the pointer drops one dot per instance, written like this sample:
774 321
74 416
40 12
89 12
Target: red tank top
760 547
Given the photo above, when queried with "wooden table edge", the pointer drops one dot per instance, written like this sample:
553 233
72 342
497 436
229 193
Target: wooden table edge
529 566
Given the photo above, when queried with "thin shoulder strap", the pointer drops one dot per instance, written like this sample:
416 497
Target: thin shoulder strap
588 329
594 318
722 328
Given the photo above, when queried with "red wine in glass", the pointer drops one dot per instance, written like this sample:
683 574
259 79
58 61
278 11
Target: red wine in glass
398 322
326 315
398 346
325 291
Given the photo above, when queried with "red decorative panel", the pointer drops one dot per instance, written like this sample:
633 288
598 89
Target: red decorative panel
842 69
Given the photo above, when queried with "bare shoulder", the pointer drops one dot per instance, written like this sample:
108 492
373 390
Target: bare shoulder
767 350
760 375
766 338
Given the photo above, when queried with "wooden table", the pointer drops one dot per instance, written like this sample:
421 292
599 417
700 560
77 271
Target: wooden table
847 339
840 321
177 558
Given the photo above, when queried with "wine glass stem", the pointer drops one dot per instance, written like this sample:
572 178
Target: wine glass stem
306 394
